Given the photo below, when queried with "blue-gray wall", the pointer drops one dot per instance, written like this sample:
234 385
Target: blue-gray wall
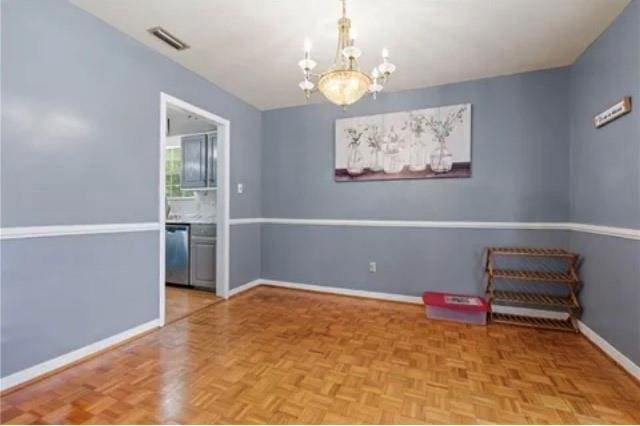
62 293
80 135
80 110
605 171
520 159
245 254
605 181
409 260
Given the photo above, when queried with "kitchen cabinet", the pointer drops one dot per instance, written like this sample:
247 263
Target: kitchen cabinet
194 162
203 256
199 161
212 159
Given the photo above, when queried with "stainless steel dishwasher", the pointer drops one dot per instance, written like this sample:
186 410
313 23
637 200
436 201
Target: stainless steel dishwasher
177 259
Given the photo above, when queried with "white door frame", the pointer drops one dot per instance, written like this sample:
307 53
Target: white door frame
222 195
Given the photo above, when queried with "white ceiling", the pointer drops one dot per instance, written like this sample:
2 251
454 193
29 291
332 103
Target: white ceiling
183 122
251 47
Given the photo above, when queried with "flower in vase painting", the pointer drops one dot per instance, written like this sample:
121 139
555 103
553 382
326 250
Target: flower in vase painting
415 124
418 144
375 145
441 159
417 148
442 128
355 161
392 148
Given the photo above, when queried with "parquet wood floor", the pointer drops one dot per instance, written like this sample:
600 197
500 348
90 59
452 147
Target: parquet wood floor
284 356
181 302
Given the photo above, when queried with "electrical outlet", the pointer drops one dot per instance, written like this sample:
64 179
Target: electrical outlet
240 188
372 267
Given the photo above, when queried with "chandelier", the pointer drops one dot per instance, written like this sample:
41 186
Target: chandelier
343 83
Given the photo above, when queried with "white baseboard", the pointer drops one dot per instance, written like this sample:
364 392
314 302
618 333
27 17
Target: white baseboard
70 357
344 291
245 287
624 362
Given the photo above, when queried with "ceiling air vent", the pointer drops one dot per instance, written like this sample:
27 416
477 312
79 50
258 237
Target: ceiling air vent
168 38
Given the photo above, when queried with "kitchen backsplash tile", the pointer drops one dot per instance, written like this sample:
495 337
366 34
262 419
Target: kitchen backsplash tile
203 204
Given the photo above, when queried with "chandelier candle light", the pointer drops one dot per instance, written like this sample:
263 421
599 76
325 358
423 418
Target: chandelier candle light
343 83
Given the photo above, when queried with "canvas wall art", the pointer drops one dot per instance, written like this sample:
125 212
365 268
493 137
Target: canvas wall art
420 144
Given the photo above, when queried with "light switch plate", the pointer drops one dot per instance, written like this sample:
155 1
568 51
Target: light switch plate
373 267
240 188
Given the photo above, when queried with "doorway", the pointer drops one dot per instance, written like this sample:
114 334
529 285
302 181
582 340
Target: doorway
207 135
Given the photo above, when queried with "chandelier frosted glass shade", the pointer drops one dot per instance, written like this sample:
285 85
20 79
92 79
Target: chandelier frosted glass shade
344 87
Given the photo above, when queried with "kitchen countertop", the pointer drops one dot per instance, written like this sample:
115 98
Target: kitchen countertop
198 221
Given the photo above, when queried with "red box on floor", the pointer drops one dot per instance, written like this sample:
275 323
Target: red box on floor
455 307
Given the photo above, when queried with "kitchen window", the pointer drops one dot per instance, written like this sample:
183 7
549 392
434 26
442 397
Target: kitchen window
173 167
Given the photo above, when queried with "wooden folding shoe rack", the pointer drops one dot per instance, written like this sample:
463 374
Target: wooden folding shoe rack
545 305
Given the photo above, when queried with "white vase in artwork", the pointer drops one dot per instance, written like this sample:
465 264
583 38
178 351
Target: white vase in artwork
392 162
355 160
377 160
441 158
392 149
376 156
417 150
418 156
